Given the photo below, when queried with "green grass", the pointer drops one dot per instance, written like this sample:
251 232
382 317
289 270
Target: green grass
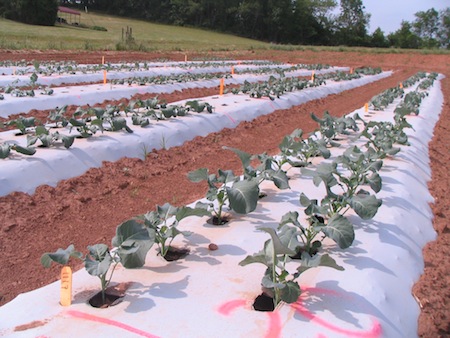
147 36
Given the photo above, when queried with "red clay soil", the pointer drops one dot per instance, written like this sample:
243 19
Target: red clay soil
86 209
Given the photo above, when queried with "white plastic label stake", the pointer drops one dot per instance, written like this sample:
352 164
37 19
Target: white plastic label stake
66 286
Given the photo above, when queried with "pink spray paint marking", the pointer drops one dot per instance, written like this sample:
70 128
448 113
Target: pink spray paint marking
274 330
270 102
228 307
274 325
373 332
232 120
82 315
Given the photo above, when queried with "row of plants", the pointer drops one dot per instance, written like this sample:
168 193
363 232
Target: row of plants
346 180
187 77
135 237
412 100
275 87
282 70
169 79
88 121
17 91
71 67
382 100
91 120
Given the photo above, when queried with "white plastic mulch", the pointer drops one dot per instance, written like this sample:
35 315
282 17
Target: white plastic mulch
49 166
208 294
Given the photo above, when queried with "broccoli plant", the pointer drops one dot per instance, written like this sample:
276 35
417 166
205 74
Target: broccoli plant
23 123
381 101
97 262
349 173
57 117
33 80
269 168
48 139
130 246
198 107
410 103
83 123
383 135
5 150
298 151
162 223
241 194
278 282
308 239
331 127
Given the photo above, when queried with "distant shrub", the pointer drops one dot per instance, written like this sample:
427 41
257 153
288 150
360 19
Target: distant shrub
99 28
33 12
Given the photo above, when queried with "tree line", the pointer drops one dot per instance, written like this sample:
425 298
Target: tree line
296 22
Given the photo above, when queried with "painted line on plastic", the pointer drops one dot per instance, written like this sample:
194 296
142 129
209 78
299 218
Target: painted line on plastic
374 332
97 319
274 330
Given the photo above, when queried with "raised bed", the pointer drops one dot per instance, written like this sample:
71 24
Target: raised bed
209 294
57 164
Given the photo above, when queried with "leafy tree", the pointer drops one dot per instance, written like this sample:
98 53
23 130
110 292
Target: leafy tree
250 18
10 9
444 28
34 12
279 18
378 39
322 10
404 37
305 27
426 26
352 23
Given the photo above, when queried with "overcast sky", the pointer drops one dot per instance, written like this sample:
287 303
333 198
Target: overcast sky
388 14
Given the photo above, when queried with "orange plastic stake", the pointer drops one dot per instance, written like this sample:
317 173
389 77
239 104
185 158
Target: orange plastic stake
185 57
232 70
103 60
366 107
66 286
104 77
351 70
312 76
221 86
401 85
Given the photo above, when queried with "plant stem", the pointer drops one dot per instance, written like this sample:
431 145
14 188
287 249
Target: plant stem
274 277
104 284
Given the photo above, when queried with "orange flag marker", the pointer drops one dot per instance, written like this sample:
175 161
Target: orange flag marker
221 86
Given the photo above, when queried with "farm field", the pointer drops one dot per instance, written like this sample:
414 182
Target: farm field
86 209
